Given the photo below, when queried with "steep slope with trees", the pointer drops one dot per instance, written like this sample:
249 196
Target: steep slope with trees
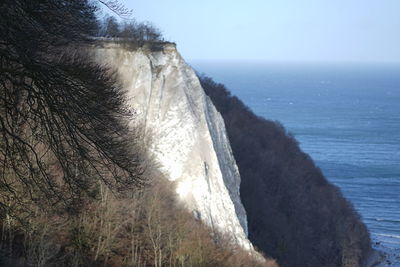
62 118
76 185
294 214
73 187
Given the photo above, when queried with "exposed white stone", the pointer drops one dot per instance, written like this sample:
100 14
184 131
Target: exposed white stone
189 139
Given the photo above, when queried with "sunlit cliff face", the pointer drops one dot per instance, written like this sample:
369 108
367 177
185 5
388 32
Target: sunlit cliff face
186 134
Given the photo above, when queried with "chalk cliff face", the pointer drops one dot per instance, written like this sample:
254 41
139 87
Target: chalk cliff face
188 136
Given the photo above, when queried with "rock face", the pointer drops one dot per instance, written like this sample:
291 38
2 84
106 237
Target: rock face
188 136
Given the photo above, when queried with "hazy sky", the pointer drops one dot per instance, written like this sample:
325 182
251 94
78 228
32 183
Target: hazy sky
278 30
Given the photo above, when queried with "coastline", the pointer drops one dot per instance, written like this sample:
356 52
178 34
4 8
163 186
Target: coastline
375 259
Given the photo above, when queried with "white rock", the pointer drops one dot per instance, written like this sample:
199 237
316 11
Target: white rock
189 139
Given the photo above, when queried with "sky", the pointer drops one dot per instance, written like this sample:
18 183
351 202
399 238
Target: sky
278 30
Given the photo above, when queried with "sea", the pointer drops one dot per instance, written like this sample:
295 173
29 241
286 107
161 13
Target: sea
346 116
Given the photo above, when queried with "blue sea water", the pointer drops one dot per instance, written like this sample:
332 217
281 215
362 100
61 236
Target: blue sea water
346 116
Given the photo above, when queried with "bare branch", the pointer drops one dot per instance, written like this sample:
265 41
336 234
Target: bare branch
118 8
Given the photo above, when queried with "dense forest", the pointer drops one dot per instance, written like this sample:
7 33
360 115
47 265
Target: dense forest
294 214
77 187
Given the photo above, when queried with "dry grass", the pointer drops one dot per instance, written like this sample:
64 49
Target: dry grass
145 228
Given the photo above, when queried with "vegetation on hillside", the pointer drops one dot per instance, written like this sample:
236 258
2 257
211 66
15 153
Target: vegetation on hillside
63 122
76 185
294 214
132 30
145 227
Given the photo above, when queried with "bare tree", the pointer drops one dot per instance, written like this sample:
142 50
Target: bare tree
142 32
129 30
111 27
63 123
118 8
148 32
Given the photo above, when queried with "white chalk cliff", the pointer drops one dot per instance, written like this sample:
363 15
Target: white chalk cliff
189 140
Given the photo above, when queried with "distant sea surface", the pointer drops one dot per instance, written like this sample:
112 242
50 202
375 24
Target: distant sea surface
346 116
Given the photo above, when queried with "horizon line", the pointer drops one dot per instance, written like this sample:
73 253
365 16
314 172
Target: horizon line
255 60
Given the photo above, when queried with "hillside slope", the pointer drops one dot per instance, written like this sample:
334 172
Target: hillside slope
294 214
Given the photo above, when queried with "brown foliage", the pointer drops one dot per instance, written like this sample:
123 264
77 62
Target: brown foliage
147 228
68 158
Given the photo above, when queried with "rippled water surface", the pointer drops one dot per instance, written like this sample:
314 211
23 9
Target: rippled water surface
347 117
